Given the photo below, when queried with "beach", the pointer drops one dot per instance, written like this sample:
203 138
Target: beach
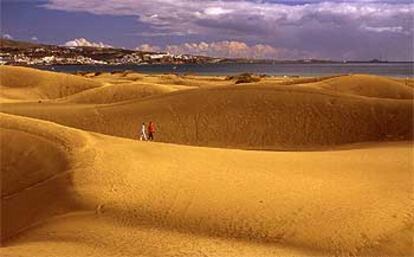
241 165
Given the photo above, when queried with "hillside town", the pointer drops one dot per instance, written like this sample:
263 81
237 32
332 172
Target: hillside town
29 54
20 53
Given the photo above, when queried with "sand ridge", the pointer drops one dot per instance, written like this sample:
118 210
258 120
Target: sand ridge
250 117
35 169
370 86
120 92
181 189
25 84
101 192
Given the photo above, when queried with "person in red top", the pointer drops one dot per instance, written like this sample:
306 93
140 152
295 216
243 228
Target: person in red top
151 131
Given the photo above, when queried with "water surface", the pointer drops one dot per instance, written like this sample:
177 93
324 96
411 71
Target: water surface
384 69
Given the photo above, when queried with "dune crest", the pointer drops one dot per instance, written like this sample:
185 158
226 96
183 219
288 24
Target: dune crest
370 86
250 117
273 197
27 84
36 166
76 181
118 93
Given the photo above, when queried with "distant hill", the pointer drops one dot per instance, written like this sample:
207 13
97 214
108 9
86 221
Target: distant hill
7 43
77 54
27 53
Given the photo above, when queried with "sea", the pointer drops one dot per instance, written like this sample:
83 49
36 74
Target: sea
279 69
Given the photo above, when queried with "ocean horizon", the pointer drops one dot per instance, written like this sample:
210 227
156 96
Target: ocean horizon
278 69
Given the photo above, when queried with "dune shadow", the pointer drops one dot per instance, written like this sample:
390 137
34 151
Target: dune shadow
36 182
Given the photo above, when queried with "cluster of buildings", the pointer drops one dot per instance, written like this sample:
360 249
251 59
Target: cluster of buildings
22 59
56 55
155 58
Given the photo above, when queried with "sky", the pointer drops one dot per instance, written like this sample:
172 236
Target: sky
271 29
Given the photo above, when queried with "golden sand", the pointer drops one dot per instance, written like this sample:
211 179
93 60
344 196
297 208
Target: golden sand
77 182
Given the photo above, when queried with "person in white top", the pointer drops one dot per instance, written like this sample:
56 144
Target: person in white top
143 135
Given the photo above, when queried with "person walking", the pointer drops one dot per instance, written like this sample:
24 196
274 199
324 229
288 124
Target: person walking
151 131
143 136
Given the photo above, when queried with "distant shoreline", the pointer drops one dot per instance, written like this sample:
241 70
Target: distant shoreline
270 62
276 69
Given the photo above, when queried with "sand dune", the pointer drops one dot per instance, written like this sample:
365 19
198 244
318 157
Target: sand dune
161 79
297 203
188 80
369 85
118 93
35 180
25 84
70 191
251 116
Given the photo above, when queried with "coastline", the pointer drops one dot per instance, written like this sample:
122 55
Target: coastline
400 69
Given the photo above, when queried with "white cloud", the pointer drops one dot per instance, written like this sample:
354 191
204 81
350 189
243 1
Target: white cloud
216 11
7 36
397 29
34 38
200 16
85 42
148 48
229 49
331 28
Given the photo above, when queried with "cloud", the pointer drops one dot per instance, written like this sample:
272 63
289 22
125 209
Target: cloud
148 48
332 28
7 36
199 16
229 49
216 11
85 42
34 38
396 29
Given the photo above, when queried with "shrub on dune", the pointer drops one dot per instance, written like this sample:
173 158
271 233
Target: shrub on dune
244 78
